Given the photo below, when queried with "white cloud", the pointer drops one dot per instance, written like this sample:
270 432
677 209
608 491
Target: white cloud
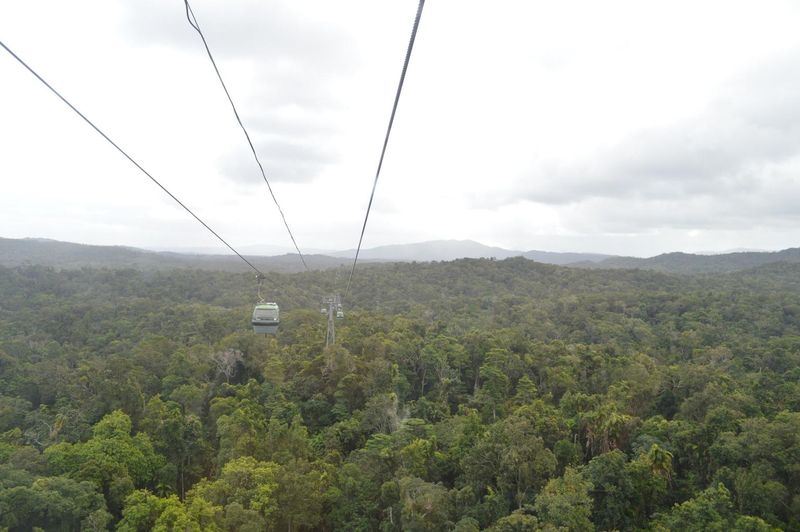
620 126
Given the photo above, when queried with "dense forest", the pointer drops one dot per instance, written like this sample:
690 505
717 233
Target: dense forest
467 395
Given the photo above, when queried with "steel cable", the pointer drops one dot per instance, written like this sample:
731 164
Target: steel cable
194 24
386 139
123 152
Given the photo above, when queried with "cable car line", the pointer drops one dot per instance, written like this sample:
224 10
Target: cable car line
386 139
190 16
123 152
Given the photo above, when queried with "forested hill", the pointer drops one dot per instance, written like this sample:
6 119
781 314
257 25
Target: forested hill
68 255
467 395
690 263
460 249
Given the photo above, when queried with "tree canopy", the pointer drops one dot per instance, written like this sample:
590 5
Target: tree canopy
466 395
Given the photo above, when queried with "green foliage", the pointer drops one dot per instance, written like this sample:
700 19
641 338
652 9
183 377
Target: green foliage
142 510
712 510
250 484
53 503
111 459
471 395
565 502
424 506
516 522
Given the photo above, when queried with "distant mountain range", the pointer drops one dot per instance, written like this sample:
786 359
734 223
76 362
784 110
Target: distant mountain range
460 249
690 263
14 252
67 255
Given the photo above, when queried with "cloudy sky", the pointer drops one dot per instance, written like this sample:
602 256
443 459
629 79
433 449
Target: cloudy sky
631 127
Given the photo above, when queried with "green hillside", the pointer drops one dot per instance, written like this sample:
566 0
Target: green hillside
689 263
68 255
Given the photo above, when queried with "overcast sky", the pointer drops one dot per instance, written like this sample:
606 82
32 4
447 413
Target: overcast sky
628 127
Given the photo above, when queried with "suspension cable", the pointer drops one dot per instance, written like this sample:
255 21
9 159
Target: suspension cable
386 139
137 165
194 24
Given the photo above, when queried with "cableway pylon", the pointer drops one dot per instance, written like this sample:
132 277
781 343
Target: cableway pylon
334 311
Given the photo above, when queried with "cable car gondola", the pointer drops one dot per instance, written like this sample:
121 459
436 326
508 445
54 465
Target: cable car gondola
266 318
266 315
